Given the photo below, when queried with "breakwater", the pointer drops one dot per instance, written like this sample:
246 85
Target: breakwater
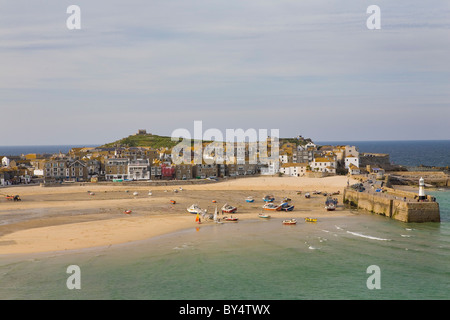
399 205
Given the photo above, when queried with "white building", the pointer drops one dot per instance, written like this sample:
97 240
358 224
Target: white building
294 169
273 167
323 164
352 169
139 169
351 159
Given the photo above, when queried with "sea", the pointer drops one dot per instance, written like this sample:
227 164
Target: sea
361 257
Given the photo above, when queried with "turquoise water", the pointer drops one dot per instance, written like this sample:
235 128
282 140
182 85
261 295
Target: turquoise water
252 260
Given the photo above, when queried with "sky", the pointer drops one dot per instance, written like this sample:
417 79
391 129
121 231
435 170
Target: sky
305 67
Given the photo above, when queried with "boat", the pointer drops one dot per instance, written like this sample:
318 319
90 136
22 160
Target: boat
11 198
330 204
173 201
230 218
194 209
214 201
272 206
307 195
127 211
286 199
228 208
307 219
249 199
290 221
285 206
269 198
264 216
135 193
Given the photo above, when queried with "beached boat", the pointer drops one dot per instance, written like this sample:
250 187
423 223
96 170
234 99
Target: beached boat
216 218
307 219
11 198
330 204
269 198
290 221
249 199
272 207
307 195
194 209
230 218
127 211
285 206
264 216
228 208
286 199
173 201
135 193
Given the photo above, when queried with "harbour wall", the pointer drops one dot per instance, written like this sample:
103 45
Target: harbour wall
394 205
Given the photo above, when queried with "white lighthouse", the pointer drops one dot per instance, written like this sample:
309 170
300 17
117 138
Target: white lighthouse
422 195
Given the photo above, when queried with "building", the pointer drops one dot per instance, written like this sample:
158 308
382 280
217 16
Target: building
352 169
294 169
273 167
203 171
324 164
139 169
116 168
184 171
351 159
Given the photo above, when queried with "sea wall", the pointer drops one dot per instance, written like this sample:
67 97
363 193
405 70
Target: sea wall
392 206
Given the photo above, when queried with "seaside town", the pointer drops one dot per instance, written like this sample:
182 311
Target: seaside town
298 157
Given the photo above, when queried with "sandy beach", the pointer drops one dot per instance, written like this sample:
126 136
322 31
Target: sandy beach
91 215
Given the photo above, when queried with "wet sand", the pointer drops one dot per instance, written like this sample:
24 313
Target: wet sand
70 217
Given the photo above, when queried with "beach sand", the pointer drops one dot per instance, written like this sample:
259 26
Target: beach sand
69 217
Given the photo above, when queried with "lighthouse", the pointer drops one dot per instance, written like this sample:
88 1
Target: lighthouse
422 195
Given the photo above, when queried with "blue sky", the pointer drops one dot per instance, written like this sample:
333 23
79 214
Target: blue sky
307 67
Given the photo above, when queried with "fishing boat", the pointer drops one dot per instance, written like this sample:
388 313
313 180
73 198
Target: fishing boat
228 208
272 207
307 219
230 218
264 216
194 209
249 199
285 206
290 221
330 204
307 195
269 198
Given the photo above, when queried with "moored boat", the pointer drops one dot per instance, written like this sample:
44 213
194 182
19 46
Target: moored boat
330 204
290 221
228 208
272 207
249 199
194 209
269 198
264 216
285 206
230 218
307 219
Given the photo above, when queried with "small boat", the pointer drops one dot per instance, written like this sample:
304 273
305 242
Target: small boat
249 199
150 193
214 201
299 192
91 193
307 195
194 209
286 199
307 219
285 206
272 207
135 193
264 216
330 204
127 211
290 221
230 218
269 198
173 201
228 208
